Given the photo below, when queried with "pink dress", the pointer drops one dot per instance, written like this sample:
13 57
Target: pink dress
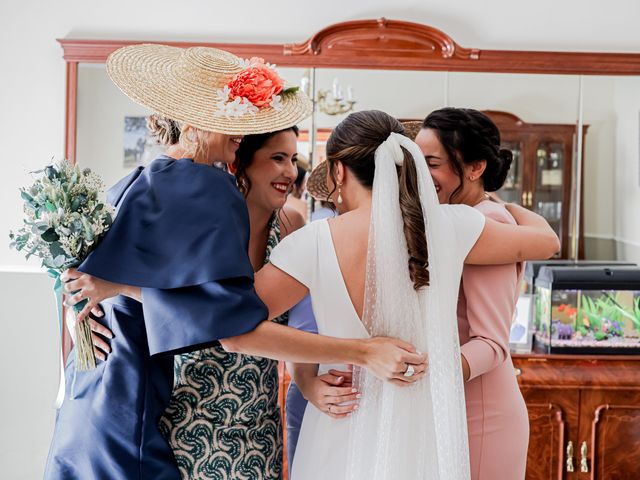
496 413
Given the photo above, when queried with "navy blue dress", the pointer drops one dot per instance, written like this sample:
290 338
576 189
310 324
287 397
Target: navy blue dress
181 234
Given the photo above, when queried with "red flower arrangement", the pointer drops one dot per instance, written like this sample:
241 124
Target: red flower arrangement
258 84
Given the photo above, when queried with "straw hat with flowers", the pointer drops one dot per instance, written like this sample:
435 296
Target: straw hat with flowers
208 88
317 182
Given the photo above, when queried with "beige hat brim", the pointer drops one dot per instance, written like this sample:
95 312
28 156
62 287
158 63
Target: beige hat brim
412 128
317 182
183 84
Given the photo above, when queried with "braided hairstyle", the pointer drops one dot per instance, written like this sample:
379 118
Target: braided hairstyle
469 136
354 143
164 130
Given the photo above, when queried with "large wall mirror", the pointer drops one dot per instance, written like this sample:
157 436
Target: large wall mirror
572 121
539 101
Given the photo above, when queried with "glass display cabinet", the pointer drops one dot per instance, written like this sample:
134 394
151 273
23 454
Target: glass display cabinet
540 177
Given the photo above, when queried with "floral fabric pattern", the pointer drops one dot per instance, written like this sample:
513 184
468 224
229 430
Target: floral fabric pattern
223 420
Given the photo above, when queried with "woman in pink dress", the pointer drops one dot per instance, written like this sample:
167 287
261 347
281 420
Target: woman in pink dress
462 150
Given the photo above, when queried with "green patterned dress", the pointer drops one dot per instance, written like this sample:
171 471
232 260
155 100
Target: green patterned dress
223 420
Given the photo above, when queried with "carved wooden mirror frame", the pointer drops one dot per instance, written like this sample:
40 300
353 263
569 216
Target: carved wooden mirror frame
377 44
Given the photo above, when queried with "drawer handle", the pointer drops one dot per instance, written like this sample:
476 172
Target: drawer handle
570 457
584 465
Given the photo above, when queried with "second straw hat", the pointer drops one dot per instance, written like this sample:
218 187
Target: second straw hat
208 88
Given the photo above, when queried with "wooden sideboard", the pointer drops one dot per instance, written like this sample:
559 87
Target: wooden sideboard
584 415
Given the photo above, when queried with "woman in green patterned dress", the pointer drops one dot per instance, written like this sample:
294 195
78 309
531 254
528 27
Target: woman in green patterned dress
223 421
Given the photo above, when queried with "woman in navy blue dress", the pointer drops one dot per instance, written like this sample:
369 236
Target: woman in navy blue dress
180 240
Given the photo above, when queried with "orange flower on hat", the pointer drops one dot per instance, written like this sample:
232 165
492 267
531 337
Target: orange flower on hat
258 84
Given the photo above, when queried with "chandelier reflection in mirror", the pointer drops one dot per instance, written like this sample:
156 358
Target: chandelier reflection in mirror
331 102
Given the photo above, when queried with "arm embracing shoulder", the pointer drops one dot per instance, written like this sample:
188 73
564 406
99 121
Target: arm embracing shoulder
500 243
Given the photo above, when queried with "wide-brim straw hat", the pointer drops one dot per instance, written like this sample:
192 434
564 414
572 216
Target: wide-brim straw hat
186 85
317 182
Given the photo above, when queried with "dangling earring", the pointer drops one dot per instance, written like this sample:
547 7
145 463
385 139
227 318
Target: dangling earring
242 181
339 193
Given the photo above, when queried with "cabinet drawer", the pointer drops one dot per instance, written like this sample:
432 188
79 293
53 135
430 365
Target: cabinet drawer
582 371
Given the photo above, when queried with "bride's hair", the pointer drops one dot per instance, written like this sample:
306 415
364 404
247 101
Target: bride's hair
354 143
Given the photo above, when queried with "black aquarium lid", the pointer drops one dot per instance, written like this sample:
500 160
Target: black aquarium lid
589 278
532 268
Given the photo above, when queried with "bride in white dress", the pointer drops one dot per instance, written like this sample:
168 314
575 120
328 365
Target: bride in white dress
374 271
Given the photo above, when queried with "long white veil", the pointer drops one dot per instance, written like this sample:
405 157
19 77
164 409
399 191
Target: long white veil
418 432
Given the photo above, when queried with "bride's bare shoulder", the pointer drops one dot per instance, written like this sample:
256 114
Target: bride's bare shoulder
351 225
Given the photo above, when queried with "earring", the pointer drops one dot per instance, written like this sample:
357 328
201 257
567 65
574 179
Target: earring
339 193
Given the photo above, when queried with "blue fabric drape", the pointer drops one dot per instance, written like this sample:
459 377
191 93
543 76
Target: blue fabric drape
181 234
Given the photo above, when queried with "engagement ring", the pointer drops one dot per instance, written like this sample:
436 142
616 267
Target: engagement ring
410 371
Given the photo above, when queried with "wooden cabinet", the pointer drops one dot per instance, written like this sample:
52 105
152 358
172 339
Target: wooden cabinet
611 422
584 416
541 174
283 387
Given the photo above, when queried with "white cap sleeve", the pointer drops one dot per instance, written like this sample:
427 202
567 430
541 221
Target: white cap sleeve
297 254
467 223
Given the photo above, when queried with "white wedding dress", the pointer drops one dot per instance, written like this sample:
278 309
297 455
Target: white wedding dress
416 433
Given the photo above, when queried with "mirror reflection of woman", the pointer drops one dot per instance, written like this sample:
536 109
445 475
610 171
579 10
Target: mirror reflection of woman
180 240
462 150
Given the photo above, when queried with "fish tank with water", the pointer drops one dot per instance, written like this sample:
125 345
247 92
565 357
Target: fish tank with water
592 310
523 327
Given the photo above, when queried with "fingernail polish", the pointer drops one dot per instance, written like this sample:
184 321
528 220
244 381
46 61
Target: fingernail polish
359 395
354 390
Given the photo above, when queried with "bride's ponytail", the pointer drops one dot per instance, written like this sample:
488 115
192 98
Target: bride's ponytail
354 143
413 219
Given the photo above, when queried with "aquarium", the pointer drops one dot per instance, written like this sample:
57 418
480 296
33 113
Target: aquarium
587 310
525 321
532 268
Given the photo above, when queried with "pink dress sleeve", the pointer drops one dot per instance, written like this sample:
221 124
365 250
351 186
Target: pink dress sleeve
490 293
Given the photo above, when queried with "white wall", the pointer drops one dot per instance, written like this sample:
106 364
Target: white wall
28 373
32 92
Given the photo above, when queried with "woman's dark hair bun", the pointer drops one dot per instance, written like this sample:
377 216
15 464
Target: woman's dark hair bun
495 176
469 136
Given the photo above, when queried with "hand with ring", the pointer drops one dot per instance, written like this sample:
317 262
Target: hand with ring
410 371
332 393
390 359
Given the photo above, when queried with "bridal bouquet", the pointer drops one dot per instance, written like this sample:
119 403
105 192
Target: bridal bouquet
64 220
